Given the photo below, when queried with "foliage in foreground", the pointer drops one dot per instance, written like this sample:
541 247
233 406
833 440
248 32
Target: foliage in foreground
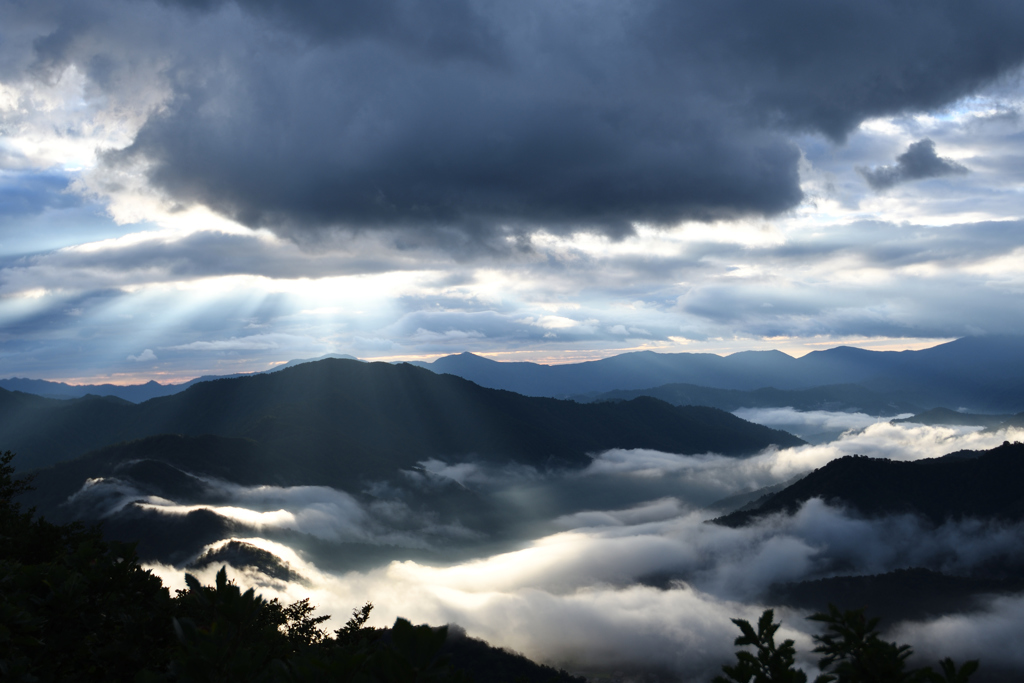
76 608
851 650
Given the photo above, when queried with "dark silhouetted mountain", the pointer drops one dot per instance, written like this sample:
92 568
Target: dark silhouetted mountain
483 662
638 370
158 466
750 500
851 398
300 361
984 374
1012 421
987 486
173 539
240 554
945 416
335 423
135 393
903 594
342 419
48 430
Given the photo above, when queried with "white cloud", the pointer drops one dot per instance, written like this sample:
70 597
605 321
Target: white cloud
575 593
881 439
816 419
550 322
572 598
318 511
146 355
253 342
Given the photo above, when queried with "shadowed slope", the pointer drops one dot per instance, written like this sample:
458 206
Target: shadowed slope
986 486
835 397
343 418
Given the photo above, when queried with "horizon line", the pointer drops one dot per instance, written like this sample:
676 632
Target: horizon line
793 347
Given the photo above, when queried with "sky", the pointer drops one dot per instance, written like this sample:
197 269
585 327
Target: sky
195 187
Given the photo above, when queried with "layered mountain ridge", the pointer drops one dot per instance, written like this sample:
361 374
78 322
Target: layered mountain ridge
354 419
984 374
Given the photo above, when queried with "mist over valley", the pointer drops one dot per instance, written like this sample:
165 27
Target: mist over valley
614 535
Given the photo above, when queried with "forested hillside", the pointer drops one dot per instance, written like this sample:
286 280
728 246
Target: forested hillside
986 486
371 418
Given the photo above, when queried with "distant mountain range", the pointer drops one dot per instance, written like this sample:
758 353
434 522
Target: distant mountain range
983 374
980 374
850 398
135 393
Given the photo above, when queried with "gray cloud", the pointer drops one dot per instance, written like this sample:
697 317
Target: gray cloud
809 66
162 258
470 124
918 162
990 634
457 29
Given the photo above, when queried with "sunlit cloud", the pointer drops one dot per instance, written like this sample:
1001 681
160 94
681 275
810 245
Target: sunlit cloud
572 598
250 343
645 584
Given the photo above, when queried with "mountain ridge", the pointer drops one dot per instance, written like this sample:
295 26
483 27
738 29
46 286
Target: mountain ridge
376 415
985 374
982 374
833 397
983 485
135 393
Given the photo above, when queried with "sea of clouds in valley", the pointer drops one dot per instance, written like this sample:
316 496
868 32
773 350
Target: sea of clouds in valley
612 567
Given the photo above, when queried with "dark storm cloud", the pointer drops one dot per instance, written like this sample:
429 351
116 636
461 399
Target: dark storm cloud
441 29
455 159
492 121
918 162
828 66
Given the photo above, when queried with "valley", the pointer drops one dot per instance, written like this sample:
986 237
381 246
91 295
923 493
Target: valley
335 478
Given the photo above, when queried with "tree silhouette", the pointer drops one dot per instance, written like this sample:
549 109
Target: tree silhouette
768 664
852 652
